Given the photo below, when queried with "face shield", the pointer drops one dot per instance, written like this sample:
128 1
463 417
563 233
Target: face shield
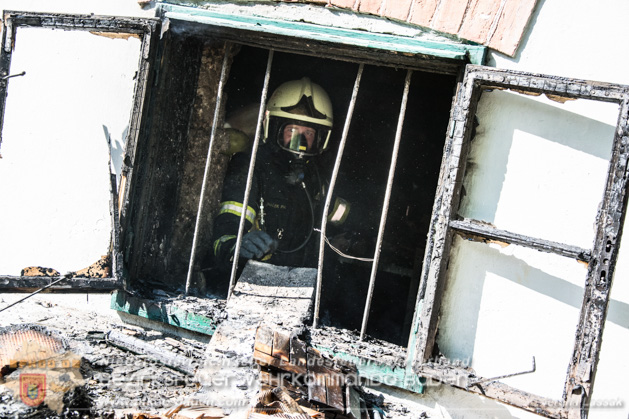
299 137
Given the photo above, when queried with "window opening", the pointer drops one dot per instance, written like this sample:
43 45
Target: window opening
363 178
385 205
328 200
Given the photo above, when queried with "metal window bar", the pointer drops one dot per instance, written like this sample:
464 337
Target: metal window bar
252 162
208 162
385 205
328 199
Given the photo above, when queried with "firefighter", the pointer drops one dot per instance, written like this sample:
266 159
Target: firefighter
287 191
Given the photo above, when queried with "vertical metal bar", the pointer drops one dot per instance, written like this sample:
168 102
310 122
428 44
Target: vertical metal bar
252 163
208 162
385 205
328 199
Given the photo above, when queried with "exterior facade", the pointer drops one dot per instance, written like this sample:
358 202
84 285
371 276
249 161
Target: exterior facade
515 303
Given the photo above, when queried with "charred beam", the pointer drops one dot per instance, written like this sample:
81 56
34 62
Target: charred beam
81 22
466 379
138 346
589 335
490 233
29 284
329 49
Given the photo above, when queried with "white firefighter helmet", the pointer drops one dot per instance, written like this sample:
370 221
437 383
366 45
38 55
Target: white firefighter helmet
299 118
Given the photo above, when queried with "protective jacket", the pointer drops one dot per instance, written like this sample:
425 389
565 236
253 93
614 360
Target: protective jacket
285 201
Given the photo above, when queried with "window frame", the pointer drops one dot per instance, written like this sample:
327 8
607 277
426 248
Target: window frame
148 30
601 258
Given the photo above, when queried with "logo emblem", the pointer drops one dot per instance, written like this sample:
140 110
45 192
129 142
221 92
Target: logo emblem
32 389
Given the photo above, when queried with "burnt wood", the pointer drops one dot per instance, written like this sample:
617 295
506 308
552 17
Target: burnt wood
318 48
29 284
465 379
489 233
601 258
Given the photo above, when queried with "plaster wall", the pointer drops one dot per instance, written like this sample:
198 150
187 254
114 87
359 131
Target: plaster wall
580 39
55 159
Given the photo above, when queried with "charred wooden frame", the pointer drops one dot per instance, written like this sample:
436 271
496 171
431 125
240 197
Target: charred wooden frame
333 42
601 258
147 30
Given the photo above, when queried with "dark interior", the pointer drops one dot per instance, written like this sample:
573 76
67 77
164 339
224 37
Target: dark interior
158 226
363 176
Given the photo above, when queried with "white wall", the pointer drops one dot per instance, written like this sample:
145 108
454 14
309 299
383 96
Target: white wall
55 160
575 38
582 39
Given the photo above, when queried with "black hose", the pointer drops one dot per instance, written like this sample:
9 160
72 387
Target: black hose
312 223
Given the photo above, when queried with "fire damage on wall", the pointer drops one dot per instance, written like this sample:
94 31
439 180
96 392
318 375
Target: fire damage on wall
263 359
283 367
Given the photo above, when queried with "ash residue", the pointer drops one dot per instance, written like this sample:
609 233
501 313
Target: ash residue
348 342
109 380
119 380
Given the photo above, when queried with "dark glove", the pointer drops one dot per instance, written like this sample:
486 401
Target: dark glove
256 244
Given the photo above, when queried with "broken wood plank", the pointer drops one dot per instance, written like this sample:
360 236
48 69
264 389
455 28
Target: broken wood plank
268 360
138 346
334 386
291 405
298 352
317 388
278 380
353 402
29 284
491 233
281 346
264 340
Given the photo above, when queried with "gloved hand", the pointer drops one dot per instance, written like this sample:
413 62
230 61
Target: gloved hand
256 244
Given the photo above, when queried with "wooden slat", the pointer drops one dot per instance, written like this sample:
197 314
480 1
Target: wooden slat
335 384
422 12
449 15
345 4
479 20
370 6
264 340
298 352
267 360
511 25
398 9
494 234
352 407
281 346
317 387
